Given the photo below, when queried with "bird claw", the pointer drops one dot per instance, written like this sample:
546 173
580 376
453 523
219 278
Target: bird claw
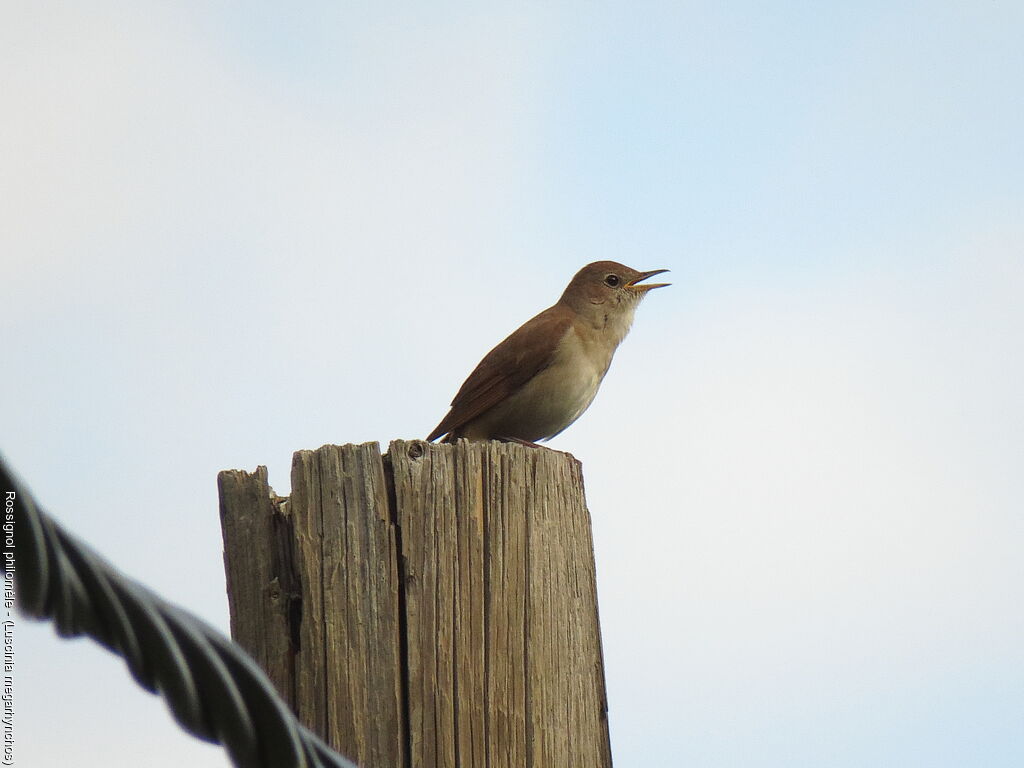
520 441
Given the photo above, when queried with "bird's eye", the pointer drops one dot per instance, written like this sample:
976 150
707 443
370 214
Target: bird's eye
612 280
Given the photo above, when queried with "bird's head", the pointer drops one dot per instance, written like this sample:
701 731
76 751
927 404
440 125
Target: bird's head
607 287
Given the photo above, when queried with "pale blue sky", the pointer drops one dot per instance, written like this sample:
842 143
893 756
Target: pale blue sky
229 231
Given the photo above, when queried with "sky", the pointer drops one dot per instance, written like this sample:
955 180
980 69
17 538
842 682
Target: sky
229 231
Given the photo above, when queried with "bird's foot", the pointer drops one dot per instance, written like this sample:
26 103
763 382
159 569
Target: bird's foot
520 441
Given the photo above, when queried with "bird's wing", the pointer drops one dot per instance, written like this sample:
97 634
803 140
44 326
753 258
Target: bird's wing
506 368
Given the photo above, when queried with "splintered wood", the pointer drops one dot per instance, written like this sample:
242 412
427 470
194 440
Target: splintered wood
433 607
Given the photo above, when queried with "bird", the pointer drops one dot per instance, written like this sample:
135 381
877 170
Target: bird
543 376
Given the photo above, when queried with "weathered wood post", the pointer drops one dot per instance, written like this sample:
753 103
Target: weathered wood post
435 606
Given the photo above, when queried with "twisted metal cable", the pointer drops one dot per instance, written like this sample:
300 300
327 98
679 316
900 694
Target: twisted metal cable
214 689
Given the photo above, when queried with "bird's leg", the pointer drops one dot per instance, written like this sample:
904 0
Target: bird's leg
520 441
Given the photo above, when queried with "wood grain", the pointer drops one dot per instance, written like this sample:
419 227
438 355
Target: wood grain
445 606
348 675
504 647
257 566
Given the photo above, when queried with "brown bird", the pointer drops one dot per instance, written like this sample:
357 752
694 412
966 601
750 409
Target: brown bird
543 377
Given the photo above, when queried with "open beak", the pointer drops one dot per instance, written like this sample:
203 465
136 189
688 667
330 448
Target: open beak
648 286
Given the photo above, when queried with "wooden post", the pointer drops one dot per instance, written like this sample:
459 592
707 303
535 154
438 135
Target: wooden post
435 606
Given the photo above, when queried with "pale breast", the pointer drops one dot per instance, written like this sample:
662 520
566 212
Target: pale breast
576 378
554 398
